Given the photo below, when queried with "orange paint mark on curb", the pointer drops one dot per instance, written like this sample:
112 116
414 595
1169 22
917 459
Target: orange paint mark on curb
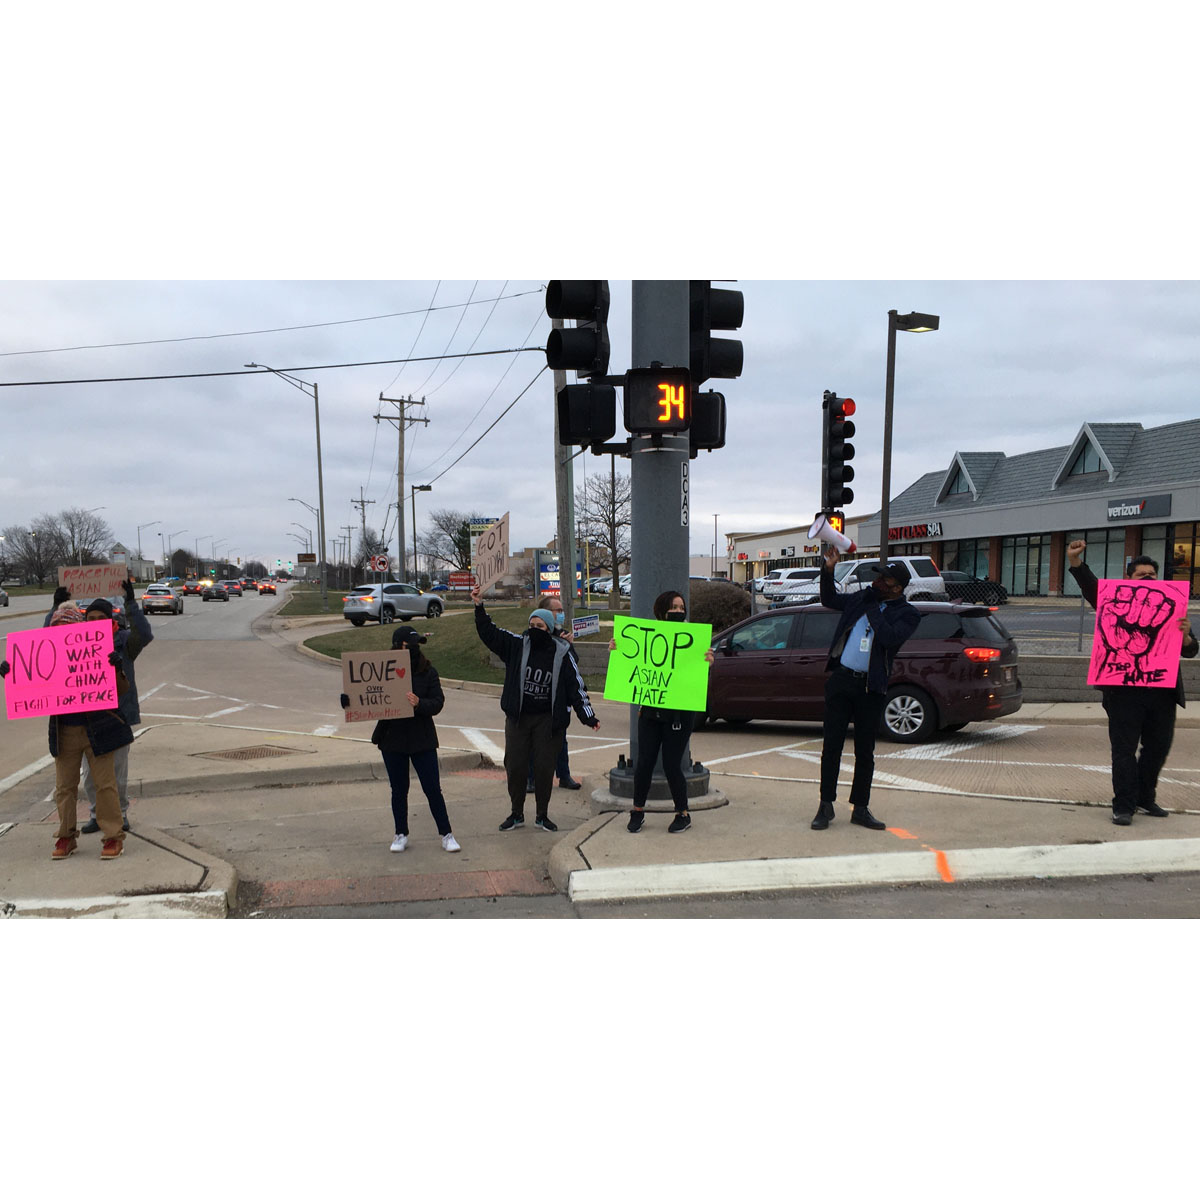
943 867
902 833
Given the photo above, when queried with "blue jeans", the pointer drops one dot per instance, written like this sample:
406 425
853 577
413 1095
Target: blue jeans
425 764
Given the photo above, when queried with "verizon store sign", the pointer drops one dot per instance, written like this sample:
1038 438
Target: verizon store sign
1145 506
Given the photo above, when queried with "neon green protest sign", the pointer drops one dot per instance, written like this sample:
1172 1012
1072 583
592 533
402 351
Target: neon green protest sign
660 663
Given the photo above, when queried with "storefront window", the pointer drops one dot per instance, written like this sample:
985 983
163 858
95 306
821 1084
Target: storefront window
1154 544
968 555
1025 565
1183 555
1105 554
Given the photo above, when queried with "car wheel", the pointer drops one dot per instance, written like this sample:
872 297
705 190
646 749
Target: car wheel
386 616
357 621
434 610
909 715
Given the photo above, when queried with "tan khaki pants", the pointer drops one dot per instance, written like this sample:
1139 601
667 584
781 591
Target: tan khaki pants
73 748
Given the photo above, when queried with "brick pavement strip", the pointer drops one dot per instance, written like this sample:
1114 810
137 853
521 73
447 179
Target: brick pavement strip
454 885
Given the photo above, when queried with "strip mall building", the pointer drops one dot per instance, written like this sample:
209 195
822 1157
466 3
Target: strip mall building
1126 490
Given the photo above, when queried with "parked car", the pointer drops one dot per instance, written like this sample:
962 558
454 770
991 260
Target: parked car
3 598
385 602
602 586
232 586
266 587
158 597
973 590
439 587
191 587
626 585
851 574
776 582
959 666
215 591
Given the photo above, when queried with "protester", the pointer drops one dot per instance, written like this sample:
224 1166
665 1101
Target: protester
414 740
562 768
60 594
129 640
95 736
666 730
876 621
1144 715
541 684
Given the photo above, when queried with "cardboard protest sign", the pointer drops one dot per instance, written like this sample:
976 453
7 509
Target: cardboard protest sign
60 669
1137 639
378 683
583 626
660 663
491 555
105 580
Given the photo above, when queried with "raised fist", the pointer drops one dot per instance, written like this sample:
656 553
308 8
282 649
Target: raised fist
1075 552
1131 623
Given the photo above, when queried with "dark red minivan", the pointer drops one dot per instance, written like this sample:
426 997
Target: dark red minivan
959 666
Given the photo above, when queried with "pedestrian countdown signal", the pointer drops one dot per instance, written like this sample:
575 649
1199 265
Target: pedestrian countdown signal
658 400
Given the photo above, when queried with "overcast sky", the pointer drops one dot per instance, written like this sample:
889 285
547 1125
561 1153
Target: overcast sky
1014 367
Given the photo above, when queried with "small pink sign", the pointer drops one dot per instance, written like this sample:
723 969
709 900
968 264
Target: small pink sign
60 669
1137 639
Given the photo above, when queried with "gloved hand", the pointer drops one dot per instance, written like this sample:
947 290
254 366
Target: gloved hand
4 668
129 591
115 658
345 700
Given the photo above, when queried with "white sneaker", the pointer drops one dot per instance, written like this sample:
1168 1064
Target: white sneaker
448 843
399 842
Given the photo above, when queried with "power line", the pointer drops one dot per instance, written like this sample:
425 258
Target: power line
204 337
381 362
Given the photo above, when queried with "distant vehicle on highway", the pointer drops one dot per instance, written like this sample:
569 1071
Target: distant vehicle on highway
215 591
191 587
266 587
385 602
248 584
158 597
232 586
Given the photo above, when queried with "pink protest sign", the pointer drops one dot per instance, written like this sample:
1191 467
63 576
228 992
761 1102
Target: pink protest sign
1137 639
60 669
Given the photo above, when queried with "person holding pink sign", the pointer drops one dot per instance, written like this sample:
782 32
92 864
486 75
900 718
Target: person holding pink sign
1137 713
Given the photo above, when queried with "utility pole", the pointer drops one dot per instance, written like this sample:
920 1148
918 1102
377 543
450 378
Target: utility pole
564 494
361 504
401 419
349 556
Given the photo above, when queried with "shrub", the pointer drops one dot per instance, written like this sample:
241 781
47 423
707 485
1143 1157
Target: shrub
718 604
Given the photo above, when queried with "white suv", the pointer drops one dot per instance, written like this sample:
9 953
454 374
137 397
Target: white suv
385 602
785 579
853 574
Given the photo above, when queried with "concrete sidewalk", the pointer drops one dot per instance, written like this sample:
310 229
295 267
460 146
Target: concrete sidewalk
306 818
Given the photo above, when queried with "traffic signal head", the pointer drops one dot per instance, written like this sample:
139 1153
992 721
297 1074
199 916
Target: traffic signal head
587 414
585 348
708 422
836 471
714 308
658 400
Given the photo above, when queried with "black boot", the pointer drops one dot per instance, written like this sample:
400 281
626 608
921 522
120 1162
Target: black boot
862 815
824 815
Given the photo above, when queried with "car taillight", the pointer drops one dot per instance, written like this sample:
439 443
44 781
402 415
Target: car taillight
981 653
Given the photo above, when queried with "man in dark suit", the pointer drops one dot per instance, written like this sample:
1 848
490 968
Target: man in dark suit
1136 714
875 623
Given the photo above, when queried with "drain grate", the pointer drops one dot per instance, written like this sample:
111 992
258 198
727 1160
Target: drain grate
244 753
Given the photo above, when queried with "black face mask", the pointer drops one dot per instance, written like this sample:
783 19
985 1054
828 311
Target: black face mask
540 639
676 616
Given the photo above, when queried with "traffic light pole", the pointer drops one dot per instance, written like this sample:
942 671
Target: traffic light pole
564 495
660 508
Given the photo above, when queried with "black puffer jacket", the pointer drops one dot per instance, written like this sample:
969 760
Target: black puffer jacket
418 732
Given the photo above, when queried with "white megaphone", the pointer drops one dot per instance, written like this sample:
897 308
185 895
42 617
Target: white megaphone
823 531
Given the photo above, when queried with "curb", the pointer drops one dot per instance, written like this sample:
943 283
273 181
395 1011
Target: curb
865 870
219 893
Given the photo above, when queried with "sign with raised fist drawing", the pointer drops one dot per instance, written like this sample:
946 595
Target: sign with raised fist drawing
1137 639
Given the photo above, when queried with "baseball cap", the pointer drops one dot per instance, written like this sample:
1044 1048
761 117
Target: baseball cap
895 570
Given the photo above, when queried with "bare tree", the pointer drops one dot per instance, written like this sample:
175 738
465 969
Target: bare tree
448 539
36 551
86 537
370 543
602 507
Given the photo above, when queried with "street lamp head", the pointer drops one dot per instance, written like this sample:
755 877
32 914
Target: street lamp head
917 322
422 487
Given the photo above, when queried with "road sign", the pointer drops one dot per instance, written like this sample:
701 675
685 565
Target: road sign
302 558
379 562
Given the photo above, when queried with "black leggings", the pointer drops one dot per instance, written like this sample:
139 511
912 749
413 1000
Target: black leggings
655 735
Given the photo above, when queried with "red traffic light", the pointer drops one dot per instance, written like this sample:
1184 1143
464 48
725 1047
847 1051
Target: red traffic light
848 407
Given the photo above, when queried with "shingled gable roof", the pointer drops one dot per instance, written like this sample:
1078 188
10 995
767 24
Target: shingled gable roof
976 470
1156 457
1112 442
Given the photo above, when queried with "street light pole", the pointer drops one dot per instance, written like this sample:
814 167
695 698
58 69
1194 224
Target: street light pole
416 487
302 385
909 323
167 565
140 528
